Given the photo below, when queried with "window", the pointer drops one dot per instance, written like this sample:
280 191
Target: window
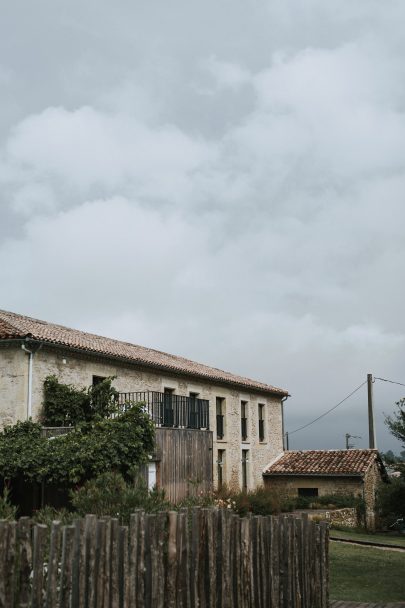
98 380
307 491
220 411
167 413
243 419
245 460
260 408
192 411
220 467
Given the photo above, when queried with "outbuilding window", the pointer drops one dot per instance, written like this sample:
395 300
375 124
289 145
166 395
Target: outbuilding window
307 492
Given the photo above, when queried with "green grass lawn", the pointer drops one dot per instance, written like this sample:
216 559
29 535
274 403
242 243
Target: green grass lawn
383 539
365 574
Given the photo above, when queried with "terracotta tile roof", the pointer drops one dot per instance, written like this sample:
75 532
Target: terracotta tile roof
15 326
323 462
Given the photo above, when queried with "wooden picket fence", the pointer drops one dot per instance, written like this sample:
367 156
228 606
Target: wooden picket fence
205 558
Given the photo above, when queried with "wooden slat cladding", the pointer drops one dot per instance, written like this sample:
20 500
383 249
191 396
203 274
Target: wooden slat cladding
186 460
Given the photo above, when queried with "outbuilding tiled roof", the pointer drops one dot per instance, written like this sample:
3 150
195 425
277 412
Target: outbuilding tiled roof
324 462
15 326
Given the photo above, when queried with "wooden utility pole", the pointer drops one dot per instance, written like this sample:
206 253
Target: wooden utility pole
372 444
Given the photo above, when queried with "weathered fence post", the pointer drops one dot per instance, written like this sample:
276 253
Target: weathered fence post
324 556
141 561
114 585
24 561
66 566
38 554
3 561
171 571
90 532
123 570
52 577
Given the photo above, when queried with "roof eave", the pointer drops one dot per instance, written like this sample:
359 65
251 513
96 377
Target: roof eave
276 392
312 474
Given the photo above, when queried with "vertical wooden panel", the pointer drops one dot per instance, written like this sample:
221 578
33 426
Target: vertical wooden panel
107 565
324 580
140 560
3 561
123 572
114 586
183 453
38 554
171 571
100 562
66 566
52 579
24 561
10 565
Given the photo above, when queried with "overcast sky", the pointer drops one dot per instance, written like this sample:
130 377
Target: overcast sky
222 180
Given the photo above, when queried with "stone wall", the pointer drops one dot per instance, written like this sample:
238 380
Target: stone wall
364 487
343 517
78 369
288 485
372 479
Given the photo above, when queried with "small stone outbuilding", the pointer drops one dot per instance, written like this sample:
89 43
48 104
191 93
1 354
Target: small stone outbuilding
322 472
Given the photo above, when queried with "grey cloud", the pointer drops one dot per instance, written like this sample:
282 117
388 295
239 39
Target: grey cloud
220 180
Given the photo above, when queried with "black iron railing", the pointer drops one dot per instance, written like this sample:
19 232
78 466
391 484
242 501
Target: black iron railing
169 410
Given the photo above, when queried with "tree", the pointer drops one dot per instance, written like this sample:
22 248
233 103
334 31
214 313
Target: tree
91 448
67 405
396 424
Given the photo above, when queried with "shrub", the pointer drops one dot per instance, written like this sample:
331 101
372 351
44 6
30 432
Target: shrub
7 510
260 501
391 501
264 502
110 494
85 452
66 405
47 515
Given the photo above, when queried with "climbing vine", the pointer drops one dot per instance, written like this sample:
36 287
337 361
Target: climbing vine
66 405
89 449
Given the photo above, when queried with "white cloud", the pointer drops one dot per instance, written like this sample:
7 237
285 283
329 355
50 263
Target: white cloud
228 189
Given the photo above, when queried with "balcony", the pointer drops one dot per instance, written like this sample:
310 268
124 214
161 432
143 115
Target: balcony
169 410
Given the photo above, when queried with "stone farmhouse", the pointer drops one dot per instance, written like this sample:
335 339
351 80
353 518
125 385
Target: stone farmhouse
315 473
243 416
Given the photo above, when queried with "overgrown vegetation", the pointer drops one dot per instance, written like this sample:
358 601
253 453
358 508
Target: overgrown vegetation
396 425
391 501
7 509
111 494
87 451
329 501
66 405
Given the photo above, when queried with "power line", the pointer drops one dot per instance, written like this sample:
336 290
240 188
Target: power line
390 381
330 410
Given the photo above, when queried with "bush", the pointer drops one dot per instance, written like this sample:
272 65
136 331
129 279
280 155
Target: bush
391 501
110 494
7 510
66 405
85 452
47 515
260 501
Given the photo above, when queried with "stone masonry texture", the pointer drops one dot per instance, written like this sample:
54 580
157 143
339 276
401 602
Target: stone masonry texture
79 368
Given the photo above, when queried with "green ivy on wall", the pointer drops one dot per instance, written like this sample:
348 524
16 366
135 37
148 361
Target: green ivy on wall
90 449
66 405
